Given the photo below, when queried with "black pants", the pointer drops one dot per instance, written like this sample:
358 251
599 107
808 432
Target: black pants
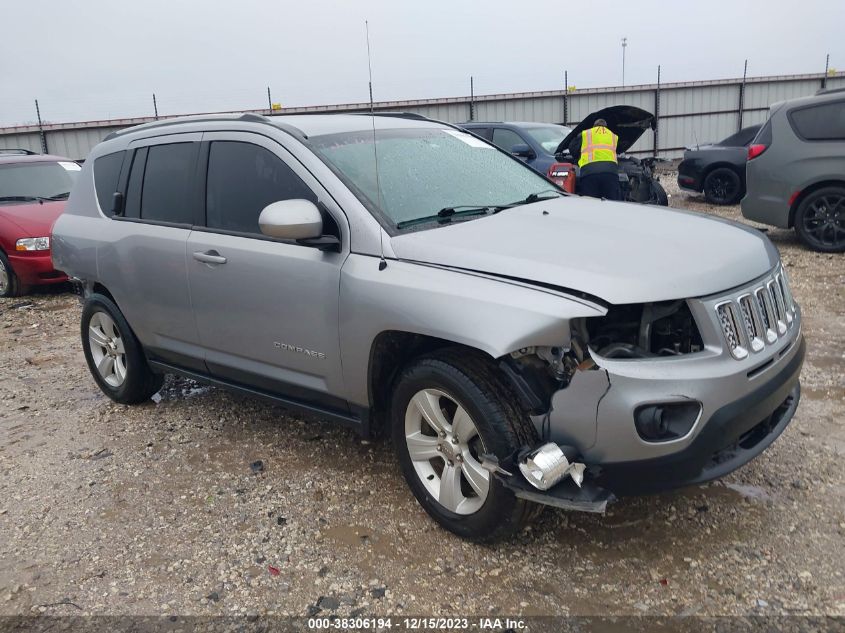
601 185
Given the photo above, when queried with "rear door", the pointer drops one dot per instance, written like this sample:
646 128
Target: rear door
266 310
144 266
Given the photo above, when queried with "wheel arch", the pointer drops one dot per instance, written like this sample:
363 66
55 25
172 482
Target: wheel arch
806 191
390 352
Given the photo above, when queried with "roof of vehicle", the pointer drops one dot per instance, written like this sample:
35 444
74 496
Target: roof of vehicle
829 94
11 159
302 125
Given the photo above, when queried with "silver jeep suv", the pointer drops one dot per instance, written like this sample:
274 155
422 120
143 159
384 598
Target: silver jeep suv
402 276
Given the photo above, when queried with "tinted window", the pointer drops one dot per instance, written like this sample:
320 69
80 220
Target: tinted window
821 122
133 190
483 132
106 174
166 194
506 138
243 179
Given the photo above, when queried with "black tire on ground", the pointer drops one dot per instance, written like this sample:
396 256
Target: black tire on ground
140 382
659 194
722 186
472 381
13 286
820 220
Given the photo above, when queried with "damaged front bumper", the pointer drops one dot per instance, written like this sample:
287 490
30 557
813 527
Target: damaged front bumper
739 407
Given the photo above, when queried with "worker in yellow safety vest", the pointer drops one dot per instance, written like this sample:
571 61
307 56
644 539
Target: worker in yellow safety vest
598 173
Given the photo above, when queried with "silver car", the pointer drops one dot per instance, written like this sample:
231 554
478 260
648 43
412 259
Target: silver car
396 274
796 170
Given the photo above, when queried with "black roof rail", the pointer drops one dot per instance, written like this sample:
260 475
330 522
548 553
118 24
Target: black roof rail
16 150
827 91
399 115
247 117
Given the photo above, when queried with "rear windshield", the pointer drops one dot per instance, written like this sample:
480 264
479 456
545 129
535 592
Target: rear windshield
26 182
741 138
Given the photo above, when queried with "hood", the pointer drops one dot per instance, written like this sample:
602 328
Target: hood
34 219
627 122
619 252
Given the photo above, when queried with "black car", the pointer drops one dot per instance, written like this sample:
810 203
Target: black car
718 170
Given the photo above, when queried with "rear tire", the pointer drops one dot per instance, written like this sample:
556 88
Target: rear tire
722 186
10 283
475 413
114 356
820 220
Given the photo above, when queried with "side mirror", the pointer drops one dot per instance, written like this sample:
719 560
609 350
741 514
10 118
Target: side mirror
291 220
523 151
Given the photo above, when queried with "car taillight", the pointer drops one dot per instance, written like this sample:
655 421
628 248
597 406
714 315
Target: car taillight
563 175
755 150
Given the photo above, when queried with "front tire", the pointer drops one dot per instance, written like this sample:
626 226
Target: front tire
10 283
446 411
820 220
722 186
114 355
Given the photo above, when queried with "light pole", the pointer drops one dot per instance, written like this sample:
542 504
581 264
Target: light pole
624 46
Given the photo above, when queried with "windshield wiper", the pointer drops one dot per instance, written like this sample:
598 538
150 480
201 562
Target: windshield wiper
445 215
19 198
59 196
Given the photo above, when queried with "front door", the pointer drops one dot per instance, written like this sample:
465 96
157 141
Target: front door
266 310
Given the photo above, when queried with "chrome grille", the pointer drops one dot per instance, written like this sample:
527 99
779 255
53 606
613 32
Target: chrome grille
753 327
758 317
730 328
777 304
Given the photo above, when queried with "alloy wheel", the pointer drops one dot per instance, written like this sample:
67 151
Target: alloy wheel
824 220
107 349
445 448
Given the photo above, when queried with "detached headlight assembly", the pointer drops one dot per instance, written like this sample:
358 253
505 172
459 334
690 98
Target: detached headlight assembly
33 244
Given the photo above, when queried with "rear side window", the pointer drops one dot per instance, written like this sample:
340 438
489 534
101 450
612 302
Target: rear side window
106 176
823 122
243 179
166 195
483 132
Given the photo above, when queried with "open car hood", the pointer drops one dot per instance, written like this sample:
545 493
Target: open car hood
627 122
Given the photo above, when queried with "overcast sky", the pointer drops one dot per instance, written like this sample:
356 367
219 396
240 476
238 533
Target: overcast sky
92 59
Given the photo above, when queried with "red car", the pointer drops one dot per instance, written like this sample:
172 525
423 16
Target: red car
33 191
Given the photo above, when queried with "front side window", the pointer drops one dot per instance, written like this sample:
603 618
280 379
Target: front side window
168 181
821 122
425 170
243 179
32 181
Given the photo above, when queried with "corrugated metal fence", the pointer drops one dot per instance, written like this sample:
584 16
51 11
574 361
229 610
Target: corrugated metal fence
688 113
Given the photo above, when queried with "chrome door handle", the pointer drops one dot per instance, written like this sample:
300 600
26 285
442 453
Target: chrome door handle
209 257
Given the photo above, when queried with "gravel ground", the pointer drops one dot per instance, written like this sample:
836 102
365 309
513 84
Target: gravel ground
155 509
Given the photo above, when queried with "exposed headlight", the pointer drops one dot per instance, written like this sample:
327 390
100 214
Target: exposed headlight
33 244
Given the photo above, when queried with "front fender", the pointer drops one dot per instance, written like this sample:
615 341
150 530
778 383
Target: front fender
496 316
